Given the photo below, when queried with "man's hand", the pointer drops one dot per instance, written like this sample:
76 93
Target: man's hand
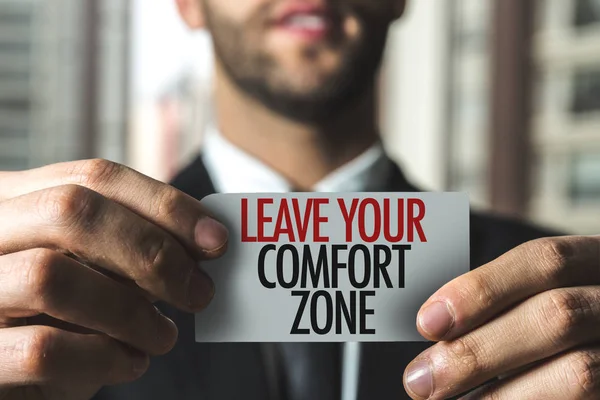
85 248
530 318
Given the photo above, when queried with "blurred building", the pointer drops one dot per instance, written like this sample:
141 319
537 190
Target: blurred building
469 85
513 114
566 117
63 80
16 21
525 108
500 98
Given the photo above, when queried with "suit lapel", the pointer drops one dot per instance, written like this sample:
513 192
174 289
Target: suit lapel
219 371
382 364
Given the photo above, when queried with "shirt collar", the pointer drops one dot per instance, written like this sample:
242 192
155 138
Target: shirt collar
234 171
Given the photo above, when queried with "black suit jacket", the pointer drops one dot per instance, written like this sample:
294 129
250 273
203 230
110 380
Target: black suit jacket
237 371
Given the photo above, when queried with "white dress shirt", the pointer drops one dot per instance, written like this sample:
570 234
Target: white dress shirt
234 171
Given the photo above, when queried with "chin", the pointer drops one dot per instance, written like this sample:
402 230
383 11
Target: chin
303 84
306 78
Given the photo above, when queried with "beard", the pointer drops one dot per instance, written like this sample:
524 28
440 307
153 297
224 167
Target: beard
323 94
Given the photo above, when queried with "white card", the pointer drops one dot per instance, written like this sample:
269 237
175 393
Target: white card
312 267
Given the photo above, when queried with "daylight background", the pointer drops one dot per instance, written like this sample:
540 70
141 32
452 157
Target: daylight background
500 98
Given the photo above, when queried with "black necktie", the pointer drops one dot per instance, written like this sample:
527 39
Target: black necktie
311 371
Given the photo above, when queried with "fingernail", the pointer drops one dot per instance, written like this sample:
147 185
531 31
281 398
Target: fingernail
166 331
140 365
419 379
140 362
437 319
201 290
210 234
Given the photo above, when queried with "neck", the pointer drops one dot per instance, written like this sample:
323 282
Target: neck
288 146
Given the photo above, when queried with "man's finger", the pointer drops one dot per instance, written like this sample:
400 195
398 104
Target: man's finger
42 281
537 266
575 375
39 354
539 328
105 234
161 204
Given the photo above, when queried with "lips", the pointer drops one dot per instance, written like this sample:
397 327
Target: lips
300 18
305 21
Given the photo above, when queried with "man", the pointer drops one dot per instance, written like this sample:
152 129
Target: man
86 247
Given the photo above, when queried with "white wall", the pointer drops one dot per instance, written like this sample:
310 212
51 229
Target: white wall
163 51
415 97
164 48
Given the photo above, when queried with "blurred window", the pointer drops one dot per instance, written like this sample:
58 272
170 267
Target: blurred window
14 104
16 18
566 122
53 106
585 178
587 12
586 93
13 132
11 48
13 163
469 106
20 77
19 18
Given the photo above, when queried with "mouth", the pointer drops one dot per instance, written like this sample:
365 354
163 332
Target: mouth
310 22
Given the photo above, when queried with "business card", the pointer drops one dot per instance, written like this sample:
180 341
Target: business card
343 267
